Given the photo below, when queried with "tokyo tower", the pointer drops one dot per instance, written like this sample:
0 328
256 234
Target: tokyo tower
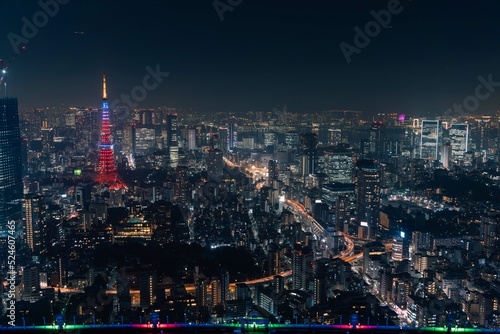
107 174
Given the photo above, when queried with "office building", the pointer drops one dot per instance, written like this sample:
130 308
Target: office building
334 137
429 140
292 141
459 139
337 163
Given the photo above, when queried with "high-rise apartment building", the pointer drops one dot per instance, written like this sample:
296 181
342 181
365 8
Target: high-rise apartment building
33 212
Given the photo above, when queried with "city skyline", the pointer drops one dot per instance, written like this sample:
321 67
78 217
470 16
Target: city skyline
423 59
288 165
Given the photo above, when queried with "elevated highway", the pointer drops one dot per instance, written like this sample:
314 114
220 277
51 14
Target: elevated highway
299 210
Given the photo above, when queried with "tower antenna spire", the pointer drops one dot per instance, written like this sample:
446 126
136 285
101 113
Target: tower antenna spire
104 92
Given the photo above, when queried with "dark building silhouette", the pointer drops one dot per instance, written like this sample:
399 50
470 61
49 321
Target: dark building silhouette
182 185
309 153
367 192
215 164
11 190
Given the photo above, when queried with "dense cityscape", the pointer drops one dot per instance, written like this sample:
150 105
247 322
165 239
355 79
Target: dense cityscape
394 217
113 213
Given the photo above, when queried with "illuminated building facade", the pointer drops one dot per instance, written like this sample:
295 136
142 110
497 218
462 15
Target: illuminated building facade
135 229
172 140
334 137
338 164
429 140
191 139
459 139
33 212
143 139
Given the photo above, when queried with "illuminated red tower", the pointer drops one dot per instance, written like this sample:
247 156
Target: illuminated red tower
107 174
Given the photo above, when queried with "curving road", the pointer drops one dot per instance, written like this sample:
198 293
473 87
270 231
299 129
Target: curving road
300 210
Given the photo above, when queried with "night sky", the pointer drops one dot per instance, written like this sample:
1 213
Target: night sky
264 54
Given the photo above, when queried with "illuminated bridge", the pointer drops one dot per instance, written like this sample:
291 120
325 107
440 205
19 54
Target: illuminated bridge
237 328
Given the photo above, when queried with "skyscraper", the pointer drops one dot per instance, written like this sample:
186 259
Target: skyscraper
219 140
367 192
33 212
172 140
232 133
272 172
376 140
302 258
446 155
182 185
215 164
11 186
337 163
334 137
147 288
291 140
191 139
429 140
107 174
459 139
309 153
